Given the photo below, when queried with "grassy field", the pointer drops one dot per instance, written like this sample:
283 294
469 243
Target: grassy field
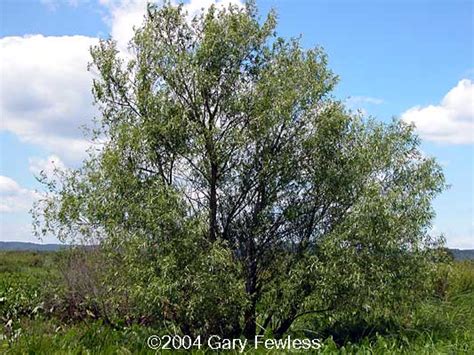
444 324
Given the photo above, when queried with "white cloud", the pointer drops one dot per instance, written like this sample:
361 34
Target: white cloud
358 100
460 242
52 5
461 238
360 103
48 166
22 232
46 91
124 15
13 197
452 121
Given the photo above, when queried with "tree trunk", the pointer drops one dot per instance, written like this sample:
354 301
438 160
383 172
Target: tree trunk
250 326
283 328
213 203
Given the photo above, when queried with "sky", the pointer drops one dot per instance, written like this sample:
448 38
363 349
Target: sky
410 59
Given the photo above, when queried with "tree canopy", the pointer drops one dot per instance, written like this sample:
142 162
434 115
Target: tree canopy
232 193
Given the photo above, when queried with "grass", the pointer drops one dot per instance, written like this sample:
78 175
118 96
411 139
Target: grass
442 325
23 276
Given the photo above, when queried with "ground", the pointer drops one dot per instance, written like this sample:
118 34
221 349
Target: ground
443 324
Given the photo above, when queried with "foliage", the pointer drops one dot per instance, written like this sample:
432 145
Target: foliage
232 190
22 283
438 326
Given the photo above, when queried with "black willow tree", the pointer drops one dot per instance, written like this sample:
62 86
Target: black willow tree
232 194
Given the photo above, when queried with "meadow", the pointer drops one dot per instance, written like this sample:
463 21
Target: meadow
443 324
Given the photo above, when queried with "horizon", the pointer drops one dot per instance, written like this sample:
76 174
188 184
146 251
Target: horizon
65 244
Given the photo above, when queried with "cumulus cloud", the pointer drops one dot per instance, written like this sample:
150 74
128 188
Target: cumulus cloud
358 100
53 5
13 197
47 166
461 241
45 91
124 15
452 121
360 103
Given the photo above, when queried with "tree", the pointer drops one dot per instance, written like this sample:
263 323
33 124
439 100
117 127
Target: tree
226 156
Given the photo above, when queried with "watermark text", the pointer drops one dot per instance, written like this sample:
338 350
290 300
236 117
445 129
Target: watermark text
216 342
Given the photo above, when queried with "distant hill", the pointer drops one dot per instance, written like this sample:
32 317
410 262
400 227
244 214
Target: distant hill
463 254
24 246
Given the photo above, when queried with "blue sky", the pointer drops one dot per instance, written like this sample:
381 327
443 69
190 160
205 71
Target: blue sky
409 59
